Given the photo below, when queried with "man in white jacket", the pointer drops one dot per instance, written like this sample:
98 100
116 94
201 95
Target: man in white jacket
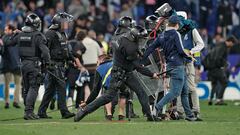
193 44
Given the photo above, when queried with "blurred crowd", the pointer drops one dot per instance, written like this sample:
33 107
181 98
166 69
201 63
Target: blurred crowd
215 18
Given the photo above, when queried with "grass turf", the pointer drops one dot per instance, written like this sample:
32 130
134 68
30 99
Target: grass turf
218 120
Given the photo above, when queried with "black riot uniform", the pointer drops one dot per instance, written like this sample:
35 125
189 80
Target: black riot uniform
126 60
32 46
59 52
124 26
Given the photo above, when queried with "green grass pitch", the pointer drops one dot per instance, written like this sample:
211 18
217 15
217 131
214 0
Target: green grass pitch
218 120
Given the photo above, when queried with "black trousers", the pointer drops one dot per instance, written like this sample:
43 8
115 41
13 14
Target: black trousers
31 83
218 77
53 86
132 82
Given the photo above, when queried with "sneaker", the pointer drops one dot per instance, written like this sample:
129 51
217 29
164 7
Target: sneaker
67 115
16 105
121 117
80 115
192 118
6 106
44 116
31 116
180 115
109 117
197 115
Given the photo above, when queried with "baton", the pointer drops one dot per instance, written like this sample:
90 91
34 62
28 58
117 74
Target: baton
55 76
165 72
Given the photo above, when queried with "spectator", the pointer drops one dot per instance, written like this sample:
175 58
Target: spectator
76 8
101 19
60 7
90 57
79 25
92 34
48 18
126 10
100 38
205 9
217 73
149 7
8 16
11 67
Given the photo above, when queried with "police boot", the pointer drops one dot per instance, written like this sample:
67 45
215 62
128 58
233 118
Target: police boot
30 116
153 118
80 114
67 115
44 116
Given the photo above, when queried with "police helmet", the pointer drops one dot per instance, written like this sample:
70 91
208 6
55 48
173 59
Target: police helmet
125 21
33 21
138 32
59 18
150 22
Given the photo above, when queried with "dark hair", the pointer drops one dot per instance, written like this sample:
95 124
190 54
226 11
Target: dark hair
11 27
81 35
232 39
172 24
105 57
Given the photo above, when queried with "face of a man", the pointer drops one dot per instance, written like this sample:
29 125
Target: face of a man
229 44
7 30
177 26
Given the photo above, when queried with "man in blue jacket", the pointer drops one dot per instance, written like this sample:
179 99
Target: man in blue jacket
171 44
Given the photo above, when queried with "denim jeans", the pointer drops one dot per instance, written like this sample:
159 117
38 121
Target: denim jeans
178 87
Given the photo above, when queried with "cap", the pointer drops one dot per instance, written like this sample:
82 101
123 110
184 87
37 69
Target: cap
182 13
174 19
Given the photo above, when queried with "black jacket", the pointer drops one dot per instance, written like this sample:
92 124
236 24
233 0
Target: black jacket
10 58
219 54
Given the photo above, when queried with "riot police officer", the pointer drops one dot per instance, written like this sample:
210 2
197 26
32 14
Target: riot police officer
126 60
124 25
60 54
32 45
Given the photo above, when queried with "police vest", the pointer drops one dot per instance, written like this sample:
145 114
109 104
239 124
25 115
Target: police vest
188 44
27 46
61 51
